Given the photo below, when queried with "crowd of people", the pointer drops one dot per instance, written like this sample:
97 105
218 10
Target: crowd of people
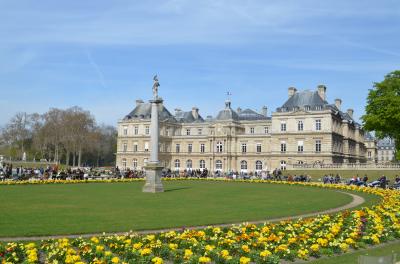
8 172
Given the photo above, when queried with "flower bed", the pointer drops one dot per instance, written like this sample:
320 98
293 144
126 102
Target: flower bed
246 243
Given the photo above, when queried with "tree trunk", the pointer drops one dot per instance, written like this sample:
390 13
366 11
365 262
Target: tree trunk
73 158
67 158
79 157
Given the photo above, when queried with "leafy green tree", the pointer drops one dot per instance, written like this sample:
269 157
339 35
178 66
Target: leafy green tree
383 109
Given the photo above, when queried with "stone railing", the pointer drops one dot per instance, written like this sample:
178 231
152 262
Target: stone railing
345 166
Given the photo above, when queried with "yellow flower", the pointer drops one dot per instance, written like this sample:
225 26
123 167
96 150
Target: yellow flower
265 253
115 260
204 260
145 251
173 246
209 247
137 245
244 260
188 254
344 247
314 247
246 248
107 253
157 260
94 240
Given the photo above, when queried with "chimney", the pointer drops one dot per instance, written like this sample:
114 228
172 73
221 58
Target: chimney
350 112
195 112
139 101
322 91
264 110
177 111
338 103
291 91
238 110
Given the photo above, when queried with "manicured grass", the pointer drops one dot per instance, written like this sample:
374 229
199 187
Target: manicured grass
29 210
350 258
346 174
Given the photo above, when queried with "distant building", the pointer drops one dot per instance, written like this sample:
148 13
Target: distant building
371 145
386 150
306 129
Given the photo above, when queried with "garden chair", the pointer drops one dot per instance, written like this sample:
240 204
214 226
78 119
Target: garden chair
389 259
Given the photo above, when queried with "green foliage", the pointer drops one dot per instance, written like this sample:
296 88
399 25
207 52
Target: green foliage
382 113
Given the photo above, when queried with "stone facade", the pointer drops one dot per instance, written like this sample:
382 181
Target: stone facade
305 130
386 150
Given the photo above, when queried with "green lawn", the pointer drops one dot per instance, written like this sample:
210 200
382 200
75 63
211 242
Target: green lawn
29 210
347 174
350 258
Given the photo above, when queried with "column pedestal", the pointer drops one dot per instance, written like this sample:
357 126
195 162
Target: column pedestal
153 178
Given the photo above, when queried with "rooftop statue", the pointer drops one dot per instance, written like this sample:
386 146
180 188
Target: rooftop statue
155 86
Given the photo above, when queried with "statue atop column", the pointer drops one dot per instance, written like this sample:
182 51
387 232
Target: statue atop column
155 87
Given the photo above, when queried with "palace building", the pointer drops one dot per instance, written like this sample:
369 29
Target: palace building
306 129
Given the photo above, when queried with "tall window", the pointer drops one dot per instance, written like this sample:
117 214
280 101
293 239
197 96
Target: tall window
318 145
283 165
244 147
177 164
318 124
258 165
178 148
199 131
219 146
369 154
218 165
124 163
146 146
251 130
125 131
283 146
258 147
134 164
188 131
190 148
266 130
300 146
243 165
202 164
189 164
202 147
147 130
167 131
136 130
283 126
300 125
125 147
135 147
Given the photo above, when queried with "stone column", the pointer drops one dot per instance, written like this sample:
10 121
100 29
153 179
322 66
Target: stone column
153 168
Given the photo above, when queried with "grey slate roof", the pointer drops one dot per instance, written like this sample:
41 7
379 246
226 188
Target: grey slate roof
143 111
386 142
228 113
187 117
369 136
249 114
304 98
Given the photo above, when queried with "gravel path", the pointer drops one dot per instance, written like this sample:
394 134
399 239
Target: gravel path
357 200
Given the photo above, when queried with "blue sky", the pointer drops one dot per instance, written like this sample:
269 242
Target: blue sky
101 55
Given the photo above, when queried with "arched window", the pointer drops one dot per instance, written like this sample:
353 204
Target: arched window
243 165
202 164
177 164
300 162
124 163
259 165
134 164
283 165
189 164
219 147
218 165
